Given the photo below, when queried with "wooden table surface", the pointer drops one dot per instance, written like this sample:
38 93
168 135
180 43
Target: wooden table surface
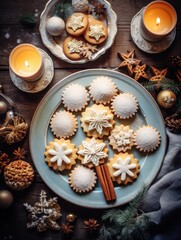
13 220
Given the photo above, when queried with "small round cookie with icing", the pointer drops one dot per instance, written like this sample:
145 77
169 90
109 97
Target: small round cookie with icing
124 105
147 138
60 154
102 89
124 168
76 24
82 179
97 121
92 152
121 138
75 97
72 47
63 124
96 32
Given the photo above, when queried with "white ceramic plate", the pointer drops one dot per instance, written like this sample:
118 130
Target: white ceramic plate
40 136
55 44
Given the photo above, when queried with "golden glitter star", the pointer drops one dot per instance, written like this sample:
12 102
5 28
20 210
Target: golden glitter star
139 72
128 61
158 74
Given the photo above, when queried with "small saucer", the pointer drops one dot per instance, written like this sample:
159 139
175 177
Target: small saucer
39 85
149 47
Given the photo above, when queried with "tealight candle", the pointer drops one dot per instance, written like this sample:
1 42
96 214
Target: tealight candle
26 62
159 18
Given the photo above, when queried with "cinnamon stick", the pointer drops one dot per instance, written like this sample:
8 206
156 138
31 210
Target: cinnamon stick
109 181
106 182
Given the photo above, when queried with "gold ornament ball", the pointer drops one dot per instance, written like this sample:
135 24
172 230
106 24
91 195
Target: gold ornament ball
3 107
6 199
166 98
71 217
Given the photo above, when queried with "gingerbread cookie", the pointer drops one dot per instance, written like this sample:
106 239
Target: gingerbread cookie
96 32
76 24
72 47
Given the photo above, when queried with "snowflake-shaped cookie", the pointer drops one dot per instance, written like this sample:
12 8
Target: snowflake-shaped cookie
98 120
93 151
43 214
96 31
123 168
60 153
74 46
76 22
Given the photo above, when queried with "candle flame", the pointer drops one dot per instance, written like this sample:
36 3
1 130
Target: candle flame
27 64
157 21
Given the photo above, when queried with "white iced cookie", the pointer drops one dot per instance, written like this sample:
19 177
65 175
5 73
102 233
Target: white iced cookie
124 105
55 26
82 179
75 97
102 89
63 124
147 138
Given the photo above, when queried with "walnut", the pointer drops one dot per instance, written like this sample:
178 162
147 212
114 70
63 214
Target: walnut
18 175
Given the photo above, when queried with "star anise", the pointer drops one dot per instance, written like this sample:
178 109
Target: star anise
66 228
19 153
99 8
173 122
4 160
91 224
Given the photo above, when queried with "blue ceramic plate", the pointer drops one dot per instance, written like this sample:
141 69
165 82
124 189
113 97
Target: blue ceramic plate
40 136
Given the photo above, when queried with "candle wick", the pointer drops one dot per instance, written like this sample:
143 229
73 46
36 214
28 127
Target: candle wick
27 64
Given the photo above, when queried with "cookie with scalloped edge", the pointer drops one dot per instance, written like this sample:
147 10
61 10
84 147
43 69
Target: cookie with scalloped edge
121 138
147 138
124 105
92 152
97 120
63 124
124 168
75 97
102 89
60 154
82 179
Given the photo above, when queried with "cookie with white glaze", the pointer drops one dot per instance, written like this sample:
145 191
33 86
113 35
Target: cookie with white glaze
60 154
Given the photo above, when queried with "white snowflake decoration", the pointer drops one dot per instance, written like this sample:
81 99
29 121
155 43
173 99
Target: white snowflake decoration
123 167
92 152
123 138
96 31
74 46
76 22
98 120
60 153
43 214
168 100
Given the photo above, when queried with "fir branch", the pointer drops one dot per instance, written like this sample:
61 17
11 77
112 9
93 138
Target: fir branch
28 20
150 86
169 84
138 199
111 214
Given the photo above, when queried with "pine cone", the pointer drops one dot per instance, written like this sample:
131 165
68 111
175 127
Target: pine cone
18 175
174 62
4 161
173 122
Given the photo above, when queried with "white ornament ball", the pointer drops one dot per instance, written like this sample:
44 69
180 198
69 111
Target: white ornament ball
55 26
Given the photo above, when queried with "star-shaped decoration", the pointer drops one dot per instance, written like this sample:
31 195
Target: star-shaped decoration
96 31
92 152
76 22
159 75
43 214
60 153
98 120
129 61
123 167
139 72
74 46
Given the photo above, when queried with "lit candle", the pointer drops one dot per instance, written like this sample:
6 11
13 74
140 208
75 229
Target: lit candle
26 62
159 18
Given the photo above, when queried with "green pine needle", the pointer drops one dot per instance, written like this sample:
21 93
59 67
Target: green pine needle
28 20
169 84
111 214
150 86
